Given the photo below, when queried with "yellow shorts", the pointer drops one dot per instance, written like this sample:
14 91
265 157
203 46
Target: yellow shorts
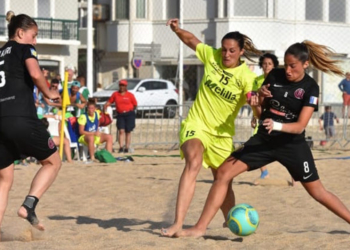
97 140
216 149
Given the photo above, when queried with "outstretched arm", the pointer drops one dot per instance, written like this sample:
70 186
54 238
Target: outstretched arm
186 37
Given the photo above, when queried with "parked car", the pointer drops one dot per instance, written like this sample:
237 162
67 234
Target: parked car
152 95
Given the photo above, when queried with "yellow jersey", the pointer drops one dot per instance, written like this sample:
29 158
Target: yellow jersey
221 94
82 118
257 85
258 82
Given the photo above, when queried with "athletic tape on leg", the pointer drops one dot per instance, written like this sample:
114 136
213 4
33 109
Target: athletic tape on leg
29 204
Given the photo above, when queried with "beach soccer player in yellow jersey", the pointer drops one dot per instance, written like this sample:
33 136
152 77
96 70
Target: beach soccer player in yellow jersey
206 134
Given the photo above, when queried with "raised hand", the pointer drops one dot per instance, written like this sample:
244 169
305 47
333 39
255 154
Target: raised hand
173 23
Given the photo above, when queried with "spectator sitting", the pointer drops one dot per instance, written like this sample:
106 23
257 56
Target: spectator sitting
83 89
56 140
49 103
328 118
88 129
70 70
58 77
77 100
40 104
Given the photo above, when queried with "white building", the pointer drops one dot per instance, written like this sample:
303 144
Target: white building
58 36
122 26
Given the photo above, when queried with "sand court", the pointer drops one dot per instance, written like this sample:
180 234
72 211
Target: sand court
123 206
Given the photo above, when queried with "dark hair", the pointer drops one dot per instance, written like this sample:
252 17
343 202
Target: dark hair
318 55
21 21
244 42
45 122
271 56
54 80
327 107
91 101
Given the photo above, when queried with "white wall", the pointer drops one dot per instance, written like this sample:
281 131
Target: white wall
203 9
66 9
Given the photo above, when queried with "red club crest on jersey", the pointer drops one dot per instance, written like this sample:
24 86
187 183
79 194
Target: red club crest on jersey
50 143
299 93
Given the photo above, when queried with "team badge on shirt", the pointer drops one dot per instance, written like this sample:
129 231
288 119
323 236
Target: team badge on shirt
299 93
50 143
33 52
313 100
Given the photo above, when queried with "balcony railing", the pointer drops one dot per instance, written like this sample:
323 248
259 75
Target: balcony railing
50 28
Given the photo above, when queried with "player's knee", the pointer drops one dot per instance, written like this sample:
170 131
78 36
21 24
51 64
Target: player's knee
193 165
54 161
223 175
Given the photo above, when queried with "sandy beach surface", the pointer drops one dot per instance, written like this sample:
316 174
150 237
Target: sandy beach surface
124 205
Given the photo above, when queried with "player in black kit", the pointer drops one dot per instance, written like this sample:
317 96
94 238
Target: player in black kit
285 104
21 132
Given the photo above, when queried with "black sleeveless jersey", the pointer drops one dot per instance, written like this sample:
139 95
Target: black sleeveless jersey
16 85
288 99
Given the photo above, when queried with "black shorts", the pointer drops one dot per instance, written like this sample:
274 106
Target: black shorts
21 137
295 155
126 121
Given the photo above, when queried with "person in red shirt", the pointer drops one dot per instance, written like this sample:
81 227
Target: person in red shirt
125 104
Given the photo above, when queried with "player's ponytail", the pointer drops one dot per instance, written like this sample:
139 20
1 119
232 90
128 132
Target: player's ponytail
244 42
250 49
318 56
21 21
9 15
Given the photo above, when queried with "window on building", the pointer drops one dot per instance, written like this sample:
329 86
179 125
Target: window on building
173 10
2 8
250 8
44 9
122 9
313 10
337 10
225 8
83 18
141 9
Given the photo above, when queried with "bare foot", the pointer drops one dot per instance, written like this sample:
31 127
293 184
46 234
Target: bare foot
22 212
170 231
224 224
191 232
